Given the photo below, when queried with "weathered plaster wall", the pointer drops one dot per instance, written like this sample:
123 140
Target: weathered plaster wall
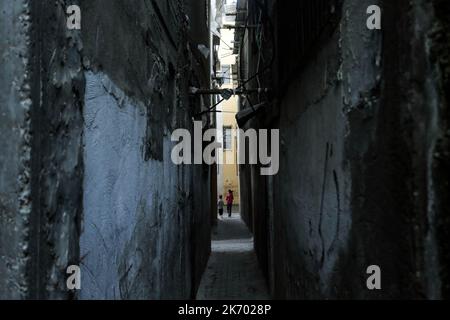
154 218
363 120
41 89
58 90
364 125
146 224
315 181
14 146
134 232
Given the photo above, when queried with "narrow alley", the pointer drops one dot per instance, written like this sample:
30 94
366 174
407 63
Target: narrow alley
233 272
130 130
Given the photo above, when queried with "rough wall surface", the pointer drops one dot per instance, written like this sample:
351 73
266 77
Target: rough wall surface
58 89
14 146
315 181
134 228
364 125
369 200
139 60
41 96
146 223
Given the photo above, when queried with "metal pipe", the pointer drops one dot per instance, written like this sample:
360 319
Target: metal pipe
197 91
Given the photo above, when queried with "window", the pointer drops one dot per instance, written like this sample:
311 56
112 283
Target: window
230 10
227 138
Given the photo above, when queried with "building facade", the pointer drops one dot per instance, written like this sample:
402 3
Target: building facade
228 169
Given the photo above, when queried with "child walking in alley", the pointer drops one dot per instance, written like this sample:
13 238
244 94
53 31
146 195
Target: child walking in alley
220 205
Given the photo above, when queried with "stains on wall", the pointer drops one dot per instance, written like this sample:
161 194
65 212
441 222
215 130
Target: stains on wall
42 90
136 228
363 131
15 158
138 62
57 164
142 47
146 227
128 209
314 181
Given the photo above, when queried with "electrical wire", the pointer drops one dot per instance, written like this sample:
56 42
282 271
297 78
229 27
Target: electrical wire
258 73
272 60
230 48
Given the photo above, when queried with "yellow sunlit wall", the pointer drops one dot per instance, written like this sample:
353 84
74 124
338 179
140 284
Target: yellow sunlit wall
229 178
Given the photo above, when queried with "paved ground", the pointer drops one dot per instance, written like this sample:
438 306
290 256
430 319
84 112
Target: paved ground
233 272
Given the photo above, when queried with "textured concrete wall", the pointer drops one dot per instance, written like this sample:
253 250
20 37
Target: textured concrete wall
134 230
122 79
355 186
14 158
363 125
41 128
146 224
315 180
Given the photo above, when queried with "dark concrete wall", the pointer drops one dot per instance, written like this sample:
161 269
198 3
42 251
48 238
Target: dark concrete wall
15 108
41 91
89 114
363 119
146 224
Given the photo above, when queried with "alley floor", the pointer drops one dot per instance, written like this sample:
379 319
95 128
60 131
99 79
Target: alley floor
233 272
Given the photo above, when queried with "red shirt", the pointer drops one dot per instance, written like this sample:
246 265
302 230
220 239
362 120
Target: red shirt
230 199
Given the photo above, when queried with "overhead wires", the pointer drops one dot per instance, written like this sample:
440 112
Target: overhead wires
264 16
